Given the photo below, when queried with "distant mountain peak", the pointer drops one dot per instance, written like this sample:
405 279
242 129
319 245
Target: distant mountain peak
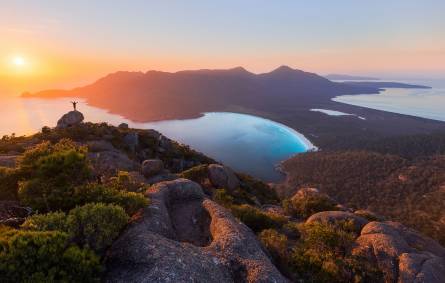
239 69
283 68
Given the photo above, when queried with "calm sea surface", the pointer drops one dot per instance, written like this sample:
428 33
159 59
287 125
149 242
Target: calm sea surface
426 103
246 143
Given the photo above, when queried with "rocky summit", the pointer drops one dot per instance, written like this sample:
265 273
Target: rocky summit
70 119
86 202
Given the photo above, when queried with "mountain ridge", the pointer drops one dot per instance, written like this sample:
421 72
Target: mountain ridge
284 94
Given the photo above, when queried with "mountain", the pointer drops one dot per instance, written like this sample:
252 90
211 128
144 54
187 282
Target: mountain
342 77
285 95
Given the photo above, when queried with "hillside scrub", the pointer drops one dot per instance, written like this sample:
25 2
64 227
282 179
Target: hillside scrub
408 191
9 179
322 254
52 172
82 217
305 206
33 256
256 219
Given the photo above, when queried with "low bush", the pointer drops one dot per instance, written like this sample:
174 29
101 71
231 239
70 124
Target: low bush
324 255
9 179
96 225
222 197
254 218
291 230
124 182
52 172
276 244
260 190
197 174
304 207
94 192
52 221
31 256
12 143
93 225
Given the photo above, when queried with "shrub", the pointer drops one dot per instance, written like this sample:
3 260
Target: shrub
12 143
30 256
276 244
324 256
308 204
93 225
254 218
53 221
222 197
124 182
130 201
260 190
96 225
291 230
52 172
94 192
9 179
197 174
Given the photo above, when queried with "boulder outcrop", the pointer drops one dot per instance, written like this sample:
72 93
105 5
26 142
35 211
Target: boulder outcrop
152 167
184 237
107 163
223 177
70 119
402 254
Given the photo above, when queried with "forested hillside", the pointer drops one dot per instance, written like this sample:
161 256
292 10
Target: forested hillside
411 191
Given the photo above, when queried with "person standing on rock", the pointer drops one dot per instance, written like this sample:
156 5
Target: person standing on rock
74 105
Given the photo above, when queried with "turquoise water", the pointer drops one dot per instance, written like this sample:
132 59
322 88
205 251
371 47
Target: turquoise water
246 143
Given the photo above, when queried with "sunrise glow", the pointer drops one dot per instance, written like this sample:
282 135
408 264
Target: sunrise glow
52 52
19 61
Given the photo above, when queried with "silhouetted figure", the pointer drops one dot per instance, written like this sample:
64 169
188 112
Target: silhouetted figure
74 105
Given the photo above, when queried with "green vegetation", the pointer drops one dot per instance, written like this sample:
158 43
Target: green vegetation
52 221
52 172
305 206
277 245
123 182
198 174
94 225
409 147
222 197
12 143
82 217
408 191
93 192
258 189
9 179
256 219
31 256
323 254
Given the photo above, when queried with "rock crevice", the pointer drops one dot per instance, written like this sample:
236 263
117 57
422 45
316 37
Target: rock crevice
184 237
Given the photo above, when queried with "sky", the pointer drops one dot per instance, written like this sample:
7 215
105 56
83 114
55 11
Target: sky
59 44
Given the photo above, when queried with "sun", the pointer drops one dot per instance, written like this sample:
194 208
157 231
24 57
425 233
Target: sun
19 61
